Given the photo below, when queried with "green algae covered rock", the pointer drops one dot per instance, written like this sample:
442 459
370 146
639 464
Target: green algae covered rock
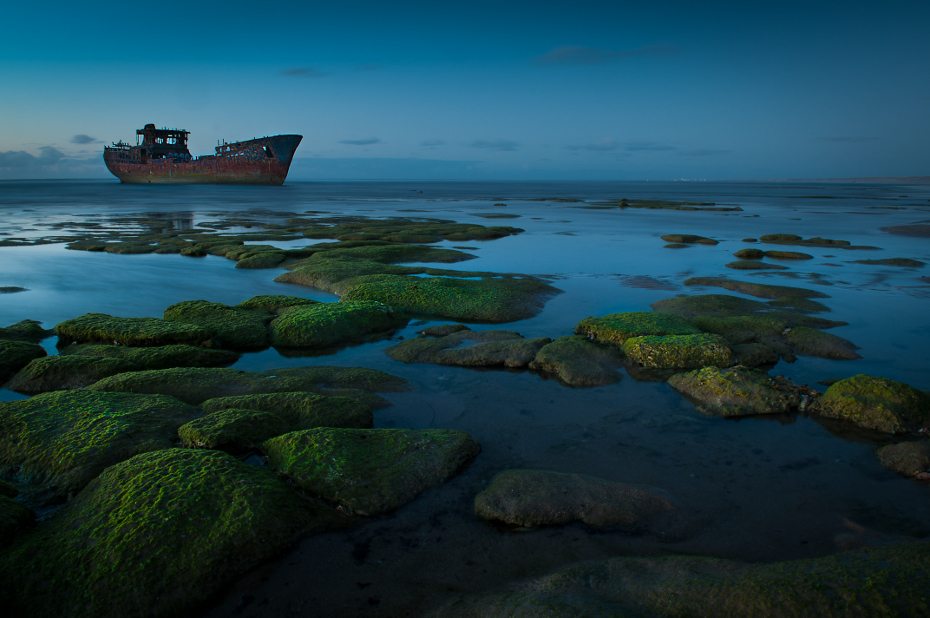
55 373
907 458
884 581
155 536
679 351
442 330
468 348
342 378
876 403
688 238
724 306
300 410
578 362
25 330
490 299
232 430
788 255
750 254
743 328
59 441
543 498
753 265
370 471
901 262
228 326
756 354
14 355
100 327
615 328
14 517
810 342
274 303
736 391
329 324
759 290
158 357
261 259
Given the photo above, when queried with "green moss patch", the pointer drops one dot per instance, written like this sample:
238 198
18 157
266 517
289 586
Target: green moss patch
737 391
262 259
468 348
232 430
334 378
25 330
329 324
725 306
575 361
14 355
543 498
442 330
159 357
907 458
684 351
300 410
876 403
370 471
615 328
810 342
53 373
155 536
749 254
59 441
100 327
229 327
788 255
274 303
688 239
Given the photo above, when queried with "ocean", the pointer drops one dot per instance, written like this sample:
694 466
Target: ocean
762 488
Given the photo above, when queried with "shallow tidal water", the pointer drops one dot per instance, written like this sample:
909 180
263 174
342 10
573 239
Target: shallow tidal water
756 489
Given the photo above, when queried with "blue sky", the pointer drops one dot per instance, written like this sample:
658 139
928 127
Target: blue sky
479 90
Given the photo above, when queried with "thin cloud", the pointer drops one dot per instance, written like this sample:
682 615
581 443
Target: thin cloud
80 138
501 145
303 72
361 142
22 159
605 145
579 55
704 152
646 146
846 139
432 143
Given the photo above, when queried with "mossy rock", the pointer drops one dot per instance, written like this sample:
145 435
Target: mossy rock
370 471
265 259
232 430
229 327
329 324
615 328
749 254
468 348
274 303
159 357
141 332
876 403
130 248
300 410
788 255
59 441
736 391
756 354
14 518
753 265
759 290
14 355
674 351
55 373
907 458
192 251
689 239
340 378
490 299
725 306
901 262
8 489
884 581
743 328
575 361
442 330
544 498
811 342
25 330
155 536
792 238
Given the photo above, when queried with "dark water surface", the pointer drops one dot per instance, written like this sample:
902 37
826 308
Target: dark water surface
757 489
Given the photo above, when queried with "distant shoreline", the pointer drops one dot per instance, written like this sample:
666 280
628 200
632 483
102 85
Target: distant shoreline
912 180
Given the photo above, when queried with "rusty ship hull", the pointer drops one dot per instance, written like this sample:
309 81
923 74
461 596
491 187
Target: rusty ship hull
162 158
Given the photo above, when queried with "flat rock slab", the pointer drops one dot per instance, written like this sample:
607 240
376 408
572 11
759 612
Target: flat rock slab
578 362
100 327
736 391
543 498
329 324
907 458
158 357
679 351
869 582
811 342
55 373
229 327
370 471
876 403
301 410
759 290
155 536
232 430
615 328
59 441
468 348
